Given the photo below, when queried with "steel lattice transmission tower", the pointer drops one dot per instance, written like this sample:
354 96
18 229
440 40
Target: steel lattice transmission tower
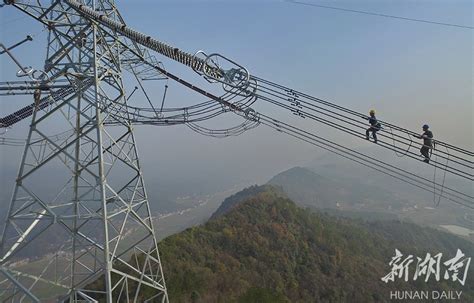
97 193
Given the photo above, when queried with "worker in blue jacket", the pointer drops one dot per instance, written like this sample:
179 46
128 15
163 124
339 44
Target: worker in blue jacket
374 126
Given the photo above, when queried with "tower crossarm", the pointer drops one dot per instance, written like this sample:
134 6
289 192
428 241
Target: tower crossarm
65 93
169 51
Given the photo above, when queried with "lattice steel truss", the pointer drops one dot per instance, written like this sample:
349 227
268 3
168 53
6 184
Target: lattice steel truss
82 131
101 194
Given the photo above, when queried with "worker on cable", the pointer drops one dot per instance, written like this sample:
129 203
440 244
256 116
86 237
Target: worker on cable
427 137
374 126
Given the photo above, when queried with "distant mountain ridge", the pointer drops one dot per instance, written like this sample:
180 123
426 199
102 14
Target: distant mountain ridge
307 187
355 196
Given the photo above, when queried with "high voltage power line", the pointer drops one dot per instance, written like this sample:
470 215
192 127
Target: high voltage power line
378 14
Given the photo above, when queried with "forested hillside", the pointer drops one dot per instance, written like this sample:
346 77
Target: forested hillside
266 249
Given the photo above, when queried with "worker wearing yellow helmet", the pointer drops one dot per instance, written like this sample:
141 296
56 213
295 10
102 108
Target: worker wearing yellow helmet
374 126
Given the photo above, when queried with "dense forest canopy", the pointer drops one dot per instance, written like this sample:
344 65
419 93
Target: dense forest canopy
266 249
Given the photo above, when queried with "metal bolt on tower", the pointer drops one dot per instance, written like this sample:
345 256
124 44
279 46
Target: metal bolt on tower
78 195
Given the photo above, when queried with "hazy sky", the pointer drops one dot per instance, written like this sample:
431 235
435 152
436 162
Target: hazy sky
412 73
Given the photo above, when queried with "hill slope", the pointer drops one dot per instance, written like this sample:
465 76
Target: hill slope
266 249
235 200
